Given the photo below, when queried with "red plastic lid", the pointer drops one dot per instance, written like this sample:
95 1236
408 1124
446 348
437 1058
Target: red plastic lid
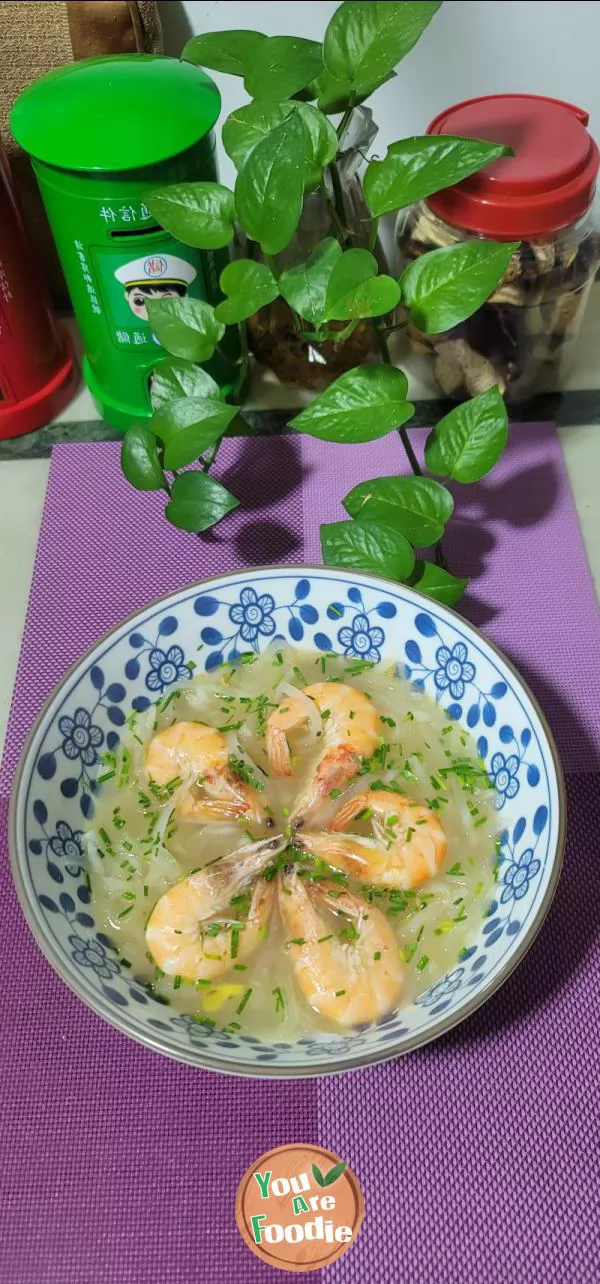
548 183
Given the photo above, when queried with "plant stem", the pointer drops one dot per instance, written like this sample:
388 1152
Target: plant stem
344 121
373 233
209 458
338 198
383 343
391 329
385 353
338 227
403 434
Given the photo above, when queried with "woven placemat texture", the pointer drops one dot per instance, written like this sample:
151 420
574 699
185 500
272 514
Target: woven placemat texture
477 1154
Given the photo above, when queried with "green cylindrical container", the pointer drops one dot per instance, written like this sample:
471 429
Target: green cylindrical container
102 134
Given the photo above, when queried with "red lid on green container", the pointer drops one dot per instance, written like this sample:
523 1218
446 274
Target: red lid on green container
548 184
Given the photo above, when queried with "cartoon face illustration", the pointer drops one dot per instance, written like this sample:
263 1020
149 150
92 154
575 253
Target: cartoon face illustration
138 295
158 276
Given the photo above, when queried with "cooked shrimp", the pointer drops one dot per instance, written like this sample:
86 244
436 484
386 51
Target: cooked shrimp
409 844
198 754
176 933
348 981
350 732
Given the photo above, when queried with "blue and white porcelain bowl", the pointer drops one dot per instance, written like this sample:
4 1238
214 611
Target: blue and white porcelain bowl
324 610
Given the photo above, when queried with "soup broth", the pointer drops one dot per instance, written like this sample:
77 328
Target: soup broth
139 848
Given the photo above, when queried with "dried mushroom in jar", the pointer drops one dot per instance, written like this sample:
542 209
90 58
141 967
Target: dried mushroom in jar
528 324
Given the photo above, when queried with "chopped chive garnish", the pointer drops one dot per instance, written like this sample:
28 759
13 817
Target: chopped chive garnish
457 870
338 993
279 997
243 1003
422 964
125 911
389 722
335 793
325 938
299 675
235 941
167 700
298 940
244 771
106 775
377 955
176 982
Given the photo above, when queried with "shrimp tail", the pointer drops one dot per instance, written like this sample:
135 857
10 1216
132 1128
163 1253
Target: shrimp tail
327 847
334 771
349 811
244 864
278 751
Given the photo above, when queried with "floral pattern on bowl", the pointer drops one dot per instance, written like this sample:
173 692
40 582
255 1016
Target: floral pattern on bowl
324 611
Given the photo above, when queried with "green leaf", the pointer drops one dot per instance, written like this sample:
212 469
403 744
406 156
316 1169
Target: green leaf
270 186
362 404
304 286
446 286
198 501
417 167
438 583
334 1173
173 379
417 507
367 546
231 51
469 441
249 285
249 125
186 327
318 1175
190 426
336 95
355 290
139 459
281 66
366 39
322 141
199 214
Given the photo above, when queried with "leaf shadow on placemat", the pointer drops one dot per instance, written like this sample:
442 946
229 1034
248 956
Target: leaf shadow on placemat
259 486
482 513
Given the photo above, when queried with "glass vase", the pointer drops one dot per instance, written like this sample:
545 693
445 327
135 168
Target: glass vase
276 335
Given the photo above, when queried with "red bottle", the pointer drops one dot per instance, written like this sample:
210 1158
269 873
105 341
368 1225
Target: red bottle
38 371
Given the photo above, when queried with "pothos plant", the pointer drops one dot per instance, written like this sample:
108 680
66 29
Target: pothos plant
283 145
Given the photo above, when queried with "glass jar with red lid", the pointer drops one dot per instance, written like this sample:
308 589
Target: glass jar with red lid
523 337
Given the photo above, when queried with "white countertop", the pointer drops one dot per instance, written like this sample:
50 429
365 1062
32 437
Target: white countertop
23 487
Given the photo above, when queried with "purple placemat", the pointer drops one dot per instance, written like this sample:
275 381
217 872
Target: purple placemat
477 1155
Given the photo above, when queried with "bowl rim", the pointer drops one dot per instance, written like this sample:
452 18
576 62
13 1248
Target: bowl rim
199 1058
